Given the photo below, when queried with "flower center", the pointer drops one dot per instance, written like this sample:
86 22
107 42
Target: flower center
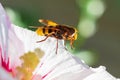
30 61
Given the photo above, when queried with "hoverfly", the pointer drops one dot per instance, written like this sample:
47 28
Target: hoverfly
52 29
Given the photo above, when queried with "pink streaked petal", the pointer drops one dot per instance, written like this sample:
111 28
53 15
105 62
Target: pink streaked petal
9 43
54 65
64 65
37 77
4 25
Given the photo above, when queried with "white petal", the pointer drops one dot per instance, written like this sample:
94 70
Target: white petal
27 37
64 66
60 66
15 49
30 38
100 74
53 66
5 75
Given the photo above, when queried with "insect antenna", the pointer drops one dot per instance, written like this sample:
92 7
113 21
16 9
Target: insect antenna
33 26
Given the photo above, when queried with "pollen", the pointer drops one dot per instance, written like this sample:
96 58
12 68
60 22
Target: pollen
30 61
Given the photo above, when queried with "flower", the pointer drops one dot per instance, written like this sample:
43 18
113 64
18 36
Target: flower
16 48
21 57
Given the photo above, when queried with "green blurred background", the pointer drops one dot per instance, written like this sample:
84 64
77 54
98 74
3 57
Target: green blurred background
97 21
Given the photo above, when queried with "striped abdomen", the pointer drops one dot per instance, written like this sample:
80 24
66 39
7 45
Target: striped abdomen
44 31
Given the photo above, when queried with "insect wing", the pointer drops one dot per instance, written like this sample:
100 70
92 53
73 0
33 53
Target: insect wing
48 22
34 26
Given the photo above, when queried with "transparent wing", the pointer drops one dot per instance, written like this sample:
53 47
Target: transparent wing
48 22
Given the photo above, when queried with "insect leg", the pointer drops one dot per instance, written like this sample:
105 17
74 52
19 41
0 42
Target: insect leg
46 37
43 39
71 43
65 44
57 46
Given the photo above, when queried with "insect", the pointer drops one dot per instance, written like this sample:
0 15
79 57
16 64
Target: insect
58 31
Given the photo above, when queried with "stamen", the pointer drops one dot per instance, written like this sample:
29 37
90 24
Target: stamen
30 61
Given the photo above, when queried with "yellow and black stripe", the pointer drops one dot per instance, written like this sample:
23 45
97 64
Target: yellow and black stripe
44 31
